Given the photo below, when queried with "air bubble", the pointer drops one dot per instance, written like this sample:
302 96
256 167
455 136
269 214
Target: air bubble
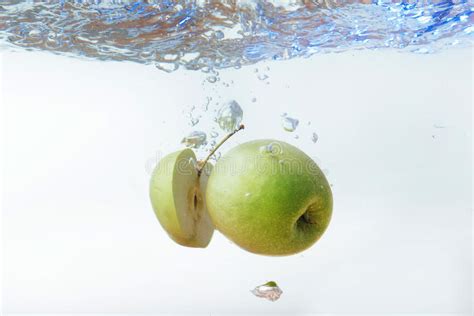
167 67
195 139
216 156
289 124
219 35
230 116
194 121
272 149
212 79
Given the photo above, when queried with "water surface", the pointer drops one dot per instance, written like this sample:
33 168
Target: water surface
219 34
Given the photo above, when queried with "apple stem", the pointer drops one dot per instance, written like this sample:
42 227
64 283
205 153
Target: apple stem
203 164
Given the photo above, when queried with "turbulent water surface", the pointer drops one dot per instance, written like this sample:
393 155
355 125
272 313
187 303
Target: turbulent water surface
220 34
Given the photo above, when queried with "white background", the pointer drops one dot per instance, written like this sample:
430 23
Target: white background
79 234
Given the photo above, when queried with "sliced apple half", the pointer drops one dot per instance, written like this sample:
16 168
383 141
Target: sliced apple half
177 193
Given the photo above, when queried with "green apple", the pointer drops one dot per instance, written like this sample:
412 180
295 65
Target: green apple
177 192
269 198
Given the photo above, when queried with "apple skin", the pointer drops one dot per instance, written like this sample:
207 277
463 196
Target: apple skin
177 195
271 202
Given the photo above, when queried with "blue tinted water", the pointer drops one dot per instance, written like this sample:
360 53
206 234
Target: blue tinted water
219 34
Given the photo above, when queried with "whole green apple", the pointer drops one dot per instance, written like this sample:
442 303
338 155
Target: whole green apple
177 193
269 198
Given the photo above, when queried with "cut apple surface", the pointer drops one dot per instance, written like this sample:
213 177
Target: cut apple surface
177 194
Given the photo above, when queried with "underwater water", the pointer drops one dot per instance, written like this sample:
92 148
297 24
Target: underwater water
95 93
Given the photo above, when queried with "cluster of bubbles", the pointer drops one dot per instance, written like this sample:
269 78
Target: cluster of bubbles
209 35
228 118
290 124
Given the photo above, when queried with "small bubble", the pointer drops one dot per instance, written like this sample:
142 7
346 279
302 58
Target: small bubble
296 137
272 149
216 156
205 106
194 121
219 35
195 139
314 138
289 124
167 66
254 100
214 134
212 79
262 77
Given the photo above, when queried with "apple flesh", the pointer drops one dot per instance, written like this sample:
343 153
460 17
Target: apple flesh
177 194
269 198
